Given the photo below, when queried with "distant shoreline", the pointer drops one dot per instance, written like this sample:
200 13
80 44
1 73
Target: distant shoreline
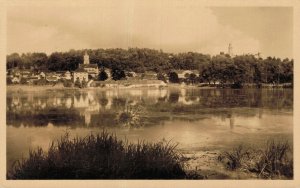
61 87
34 88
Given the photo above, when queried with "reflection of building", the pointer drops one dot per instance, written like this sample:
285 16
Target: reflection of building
231 121
187 100
163 93
87 106
87 118
68 102
109 104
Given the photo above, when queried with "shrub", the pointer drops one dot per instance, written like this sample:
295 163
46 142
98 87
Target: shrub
9 81
273 161
67 83
40 82
161 77
131 116
102 76
77 83
236 157
23 81
117 74
101 156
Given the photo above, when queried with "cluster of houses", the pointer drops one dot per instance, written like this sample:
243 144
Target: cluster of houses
29 76
87 72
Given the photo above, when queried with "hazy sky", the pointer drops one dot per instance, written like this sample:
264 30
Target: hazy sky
176 27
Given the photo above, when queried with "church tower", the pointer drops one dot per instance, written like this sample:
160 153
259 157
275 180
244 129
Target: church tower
86 59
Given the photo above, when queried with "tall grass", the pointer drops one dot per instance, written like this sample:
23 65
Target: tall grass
275 160
101 156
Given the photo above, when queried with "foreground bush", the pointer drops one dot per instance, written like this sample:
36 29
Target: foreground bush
101 156
273 161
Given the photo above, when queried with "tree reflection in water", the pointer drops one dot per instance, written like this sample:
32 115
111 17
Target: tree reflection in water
128 107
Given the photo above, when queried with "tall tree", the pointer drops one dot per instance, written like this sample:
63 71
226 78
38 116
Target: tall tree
117 74
102 75
14 60
173 77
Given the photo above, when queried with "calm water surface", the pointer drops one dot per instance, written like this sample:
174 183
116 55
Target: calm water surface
197 119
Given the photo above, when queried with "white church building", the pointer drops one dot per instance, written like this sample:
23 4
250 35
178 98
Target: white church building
91 69
85 70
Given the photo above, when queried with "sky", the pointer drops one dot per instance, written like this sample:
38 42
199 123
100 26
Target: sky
173 27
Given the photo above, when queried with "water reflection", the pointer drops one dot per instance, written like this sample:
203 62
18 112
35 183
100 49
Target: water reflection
195 118
231 121
100 108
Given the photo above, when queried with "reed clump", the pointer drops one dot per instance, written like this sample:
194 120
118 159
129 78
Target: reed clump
274 161
101 156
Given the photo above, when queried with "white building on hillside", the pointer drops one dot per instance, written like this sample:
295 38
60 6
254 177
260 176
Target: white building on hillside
80 74
91 69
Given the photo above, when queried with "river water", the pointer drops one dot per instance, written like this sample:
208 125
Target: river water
197 119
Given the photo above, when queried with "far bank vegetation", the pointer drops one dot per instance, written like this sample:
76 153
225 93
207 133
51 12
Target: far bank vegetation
220 70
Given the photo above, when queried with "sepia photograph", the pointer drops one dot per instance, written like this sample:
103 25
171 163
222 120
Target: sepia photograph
148 90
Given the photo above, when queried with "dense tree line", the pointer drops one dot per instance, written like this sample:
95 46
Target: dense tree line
247 69
213 69
133 59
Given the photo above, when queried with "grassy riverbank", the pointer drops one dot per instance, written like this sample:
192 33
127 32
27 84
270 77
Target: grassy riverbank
103 156
274 161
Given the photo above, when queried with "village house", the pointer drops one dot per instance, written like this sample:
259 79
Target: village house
25 73
131 74
51 78
59 74
42 75
33 78
149 75
67 75
80 74
91 69
50 75
9 74
108 73
16 72
15 80
182 74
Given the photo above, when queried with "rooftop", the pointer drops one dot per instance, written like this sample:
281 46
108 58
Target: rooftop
182 71
88 66
80 69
